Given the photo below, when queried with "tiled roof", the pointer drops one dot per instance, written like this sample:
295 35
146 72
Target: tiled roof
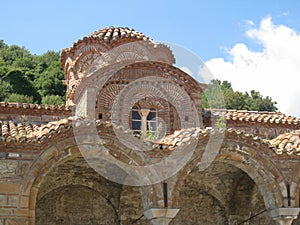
111 34
26 132
11 131
186 135
254 116
287 143
182 136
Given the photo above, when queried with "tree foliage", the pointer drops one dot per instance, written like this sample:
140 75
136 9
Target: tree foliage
19 98
30 78
5 89
53 100
220 95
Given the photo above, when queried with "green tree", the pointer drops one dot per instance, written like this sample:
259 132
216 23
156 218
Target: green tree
50 81
36 76
21 84
11 53
5 90
19 98
53 100
213 96
220 94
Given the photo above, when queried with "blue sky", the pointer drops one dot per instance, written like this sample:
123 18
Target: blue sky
205 27
211 29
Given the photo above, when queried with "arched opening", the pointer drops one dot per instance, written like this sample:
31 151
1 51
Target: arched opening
73 193
222 194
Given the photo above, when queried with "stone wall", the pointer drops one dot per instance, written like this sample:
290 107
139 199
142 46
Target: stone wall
198 207
131 208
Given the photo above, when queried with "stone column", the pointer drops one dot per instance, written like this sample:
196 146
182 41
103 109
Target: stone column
144 114
284 216
160 216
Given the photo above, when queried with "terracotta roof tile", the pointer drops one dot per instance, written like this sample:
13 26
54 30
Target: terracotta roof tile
111 34
286 143
17 131
255 116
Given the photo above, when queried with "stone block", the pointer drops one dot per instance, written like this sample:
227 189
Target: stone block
13 201
9 188
5 211
21 212
24 201
8 168
16 222
3 200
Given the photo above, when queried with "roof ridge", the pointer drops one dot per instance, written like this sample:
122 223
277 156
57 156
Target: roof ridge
254 116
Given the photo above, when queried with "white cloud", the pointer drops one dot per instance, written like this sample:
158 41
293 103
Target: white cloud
274 71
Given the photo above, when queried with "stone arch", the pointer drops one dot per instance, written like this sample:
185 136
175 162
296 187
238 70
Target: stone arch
60 152
40 167
251 159
59 149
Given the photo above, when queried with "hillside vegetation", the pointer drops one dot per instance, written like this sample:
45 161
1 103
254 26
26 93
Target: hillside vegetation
30 78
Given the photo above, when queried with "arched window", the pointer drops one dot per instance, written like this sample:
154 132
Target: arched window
144 120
